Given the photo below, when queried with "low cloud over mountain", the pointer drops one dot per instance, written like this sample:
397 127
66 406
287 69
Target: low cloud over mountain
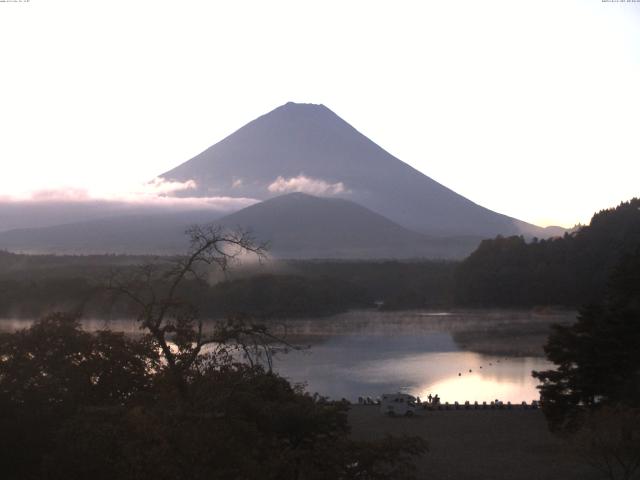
303 184
50 207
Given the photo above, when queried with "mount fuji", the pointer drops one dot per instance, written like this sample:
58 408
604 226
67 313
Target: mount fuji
307 148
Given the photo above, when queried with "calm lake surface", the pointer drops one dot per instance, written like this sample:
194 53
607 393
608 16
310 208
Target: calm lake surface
464 355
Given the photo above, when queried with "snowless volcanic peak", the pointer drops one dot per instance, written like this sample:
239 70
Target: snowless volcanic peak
297 225
307 148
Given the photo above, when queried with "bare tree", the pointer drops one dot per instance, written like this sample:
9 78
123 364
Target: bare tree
157 290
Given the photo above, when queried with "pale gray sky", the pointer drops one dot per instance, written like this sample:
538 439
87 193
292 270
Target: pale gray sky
530 108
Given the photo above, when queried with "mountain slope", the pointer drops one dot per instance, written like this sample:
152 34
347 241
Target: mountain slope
308 148
131 234
297 225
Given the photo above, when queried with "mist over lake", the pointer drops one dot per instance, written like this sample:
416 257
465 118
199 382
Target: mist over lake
421 353
368 353
310 241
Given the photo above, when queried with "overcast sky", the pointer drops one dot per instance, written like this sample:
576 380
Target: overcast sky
530 108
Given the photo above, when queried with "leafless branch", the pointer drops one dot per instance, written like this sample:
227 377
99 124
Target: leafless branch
154 290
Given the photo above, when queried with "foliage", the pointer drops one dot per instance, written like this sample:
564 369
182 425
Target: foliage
80 405
502 272
609 441
597 359
176 403
30 286
570 271
53 370
271 296
398 284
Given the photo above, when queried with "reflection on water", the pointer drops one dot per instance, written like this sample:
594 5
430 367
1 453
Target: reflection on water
370 365
469 355
476 356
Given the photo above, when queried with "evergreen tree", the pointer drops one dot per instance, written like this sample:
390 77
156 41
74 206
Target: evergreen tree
597 358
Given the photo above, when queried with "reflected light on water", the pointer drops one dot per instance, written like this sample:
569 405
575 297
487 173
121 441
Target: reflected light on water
506 379
362 368
371 353
475 387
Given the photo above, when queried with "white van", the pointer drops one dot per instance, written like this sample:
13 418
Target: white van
398 404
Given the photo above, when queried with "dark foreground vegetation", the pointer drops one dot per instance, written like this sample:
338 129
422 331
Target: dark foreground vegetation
568 271
75 405
592 396
173 403
179 403
598 357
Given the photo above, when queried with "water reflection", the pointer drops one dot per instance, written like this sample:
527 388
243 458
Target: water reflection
475 356
353 366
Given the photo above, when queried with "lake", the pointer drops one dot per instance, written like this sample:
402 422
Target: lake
476 355
470 355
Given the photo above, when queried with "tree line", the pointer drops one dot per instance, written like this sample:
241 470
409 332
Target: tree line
175 402
509 272
286 289
569 271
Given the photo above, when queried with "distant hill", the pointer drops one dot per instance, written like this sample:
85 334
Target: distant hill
571 270
26 214
298 225
308 148
295 225
130 234
20 215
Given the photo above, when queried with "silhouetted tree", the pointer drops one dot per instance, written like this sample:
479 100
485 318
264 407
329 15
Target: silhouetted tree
597 359
53 370
569 271
77 405
158 295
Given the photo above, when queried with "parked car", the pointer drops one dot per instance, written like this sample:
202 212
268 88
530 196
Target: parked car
398 404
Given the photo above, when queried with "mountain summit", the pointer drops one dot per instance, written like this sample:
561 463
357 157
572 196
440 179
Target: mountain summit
308 148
